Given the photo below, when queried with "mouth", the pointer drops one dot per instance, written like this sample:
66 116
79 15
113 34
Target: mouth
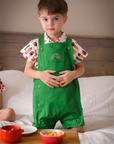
51 29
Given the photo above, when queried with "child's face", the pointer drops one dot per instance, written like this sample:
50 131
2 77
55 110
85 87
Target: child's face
52 23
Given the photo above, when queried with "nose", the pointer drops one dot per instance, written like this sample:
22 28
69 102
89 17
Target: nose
50 22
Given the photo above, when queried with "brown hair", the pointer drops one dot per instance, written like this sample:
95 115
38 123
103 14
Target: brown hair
53 6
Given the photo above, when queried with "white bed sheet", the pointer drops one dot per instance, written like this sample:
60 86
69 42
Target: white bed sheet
97 96
99 136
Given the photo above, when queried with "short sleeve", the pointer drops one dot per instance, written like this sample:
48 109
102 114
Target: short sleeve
78 52
30 51
2 87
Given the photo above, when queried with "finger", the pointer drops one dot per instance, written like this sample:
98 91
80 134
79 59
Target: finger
51 71
50 85
55 83
54 77
60 78
62 85
62 82
62 72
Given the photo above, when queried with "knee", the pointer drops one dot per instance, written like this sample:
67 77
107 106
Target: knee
10 114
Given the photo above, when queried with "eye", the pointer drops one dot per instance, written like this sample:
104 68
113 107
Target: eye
55 18
44 19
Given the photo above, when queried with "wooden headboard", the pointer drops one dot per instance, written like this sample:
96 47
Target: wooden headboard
100 60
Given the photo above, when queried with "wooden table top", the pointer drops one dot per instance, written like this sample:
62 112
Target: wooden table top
71 138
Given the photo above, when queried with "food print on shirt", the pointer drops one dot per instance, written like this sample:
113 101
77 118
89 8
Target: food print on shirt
30 51
2 87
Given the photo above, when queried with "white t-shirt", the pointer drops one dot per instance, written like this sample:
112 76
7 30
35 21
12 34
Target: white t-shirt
30 51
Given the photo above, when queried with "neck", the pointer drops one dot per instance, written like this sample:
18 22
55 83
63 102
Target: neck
55 37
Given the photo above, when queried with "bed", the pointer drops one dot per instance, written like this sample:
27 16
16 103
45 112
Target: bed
96 85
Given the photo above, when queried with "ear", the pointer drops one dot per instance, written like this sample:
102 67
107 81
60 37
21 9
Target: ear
65 19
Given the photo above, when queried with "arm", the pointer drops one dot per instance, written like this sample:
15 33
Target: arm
30 72
45 76
67 76
79 70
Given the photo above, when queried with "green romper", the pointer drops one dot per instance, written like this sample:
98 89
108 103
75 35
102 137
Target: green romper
59 103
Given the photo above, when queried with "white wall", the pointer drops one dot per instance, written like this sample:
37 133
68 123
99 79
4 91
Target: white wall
86 17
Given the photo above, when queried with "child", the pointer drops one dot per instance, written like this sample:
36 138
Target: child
7 114
50 59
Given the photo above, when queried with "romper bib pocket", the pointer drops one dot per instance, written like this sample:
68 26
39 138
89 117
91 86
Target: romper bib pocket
55 56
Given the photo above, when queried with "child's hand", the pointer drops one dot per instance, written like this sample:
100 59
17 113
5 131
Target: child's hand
49 79
65 78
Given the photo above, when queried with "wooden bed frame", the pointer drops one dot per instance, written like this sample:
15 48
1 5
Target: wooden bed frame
100 60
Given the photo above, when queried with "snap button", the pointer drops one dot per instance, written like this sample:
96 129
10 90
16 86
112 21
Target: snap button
40 68
39 104
38 86
68 48
42 49
39 122
78 120
76 103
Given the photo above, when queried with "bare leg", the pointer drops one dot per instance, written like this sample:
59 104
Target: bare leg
7 114
79 129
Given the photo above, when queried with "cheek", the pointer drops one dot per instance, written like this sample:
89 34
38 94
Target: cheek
43 25
60 25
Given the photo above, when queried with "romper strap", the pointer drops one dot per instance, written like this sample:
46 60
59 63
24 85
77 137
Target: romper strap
69 41
41 41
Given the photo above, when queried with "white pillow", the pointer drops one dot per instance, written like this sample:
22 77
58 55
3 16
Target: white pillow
18 94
